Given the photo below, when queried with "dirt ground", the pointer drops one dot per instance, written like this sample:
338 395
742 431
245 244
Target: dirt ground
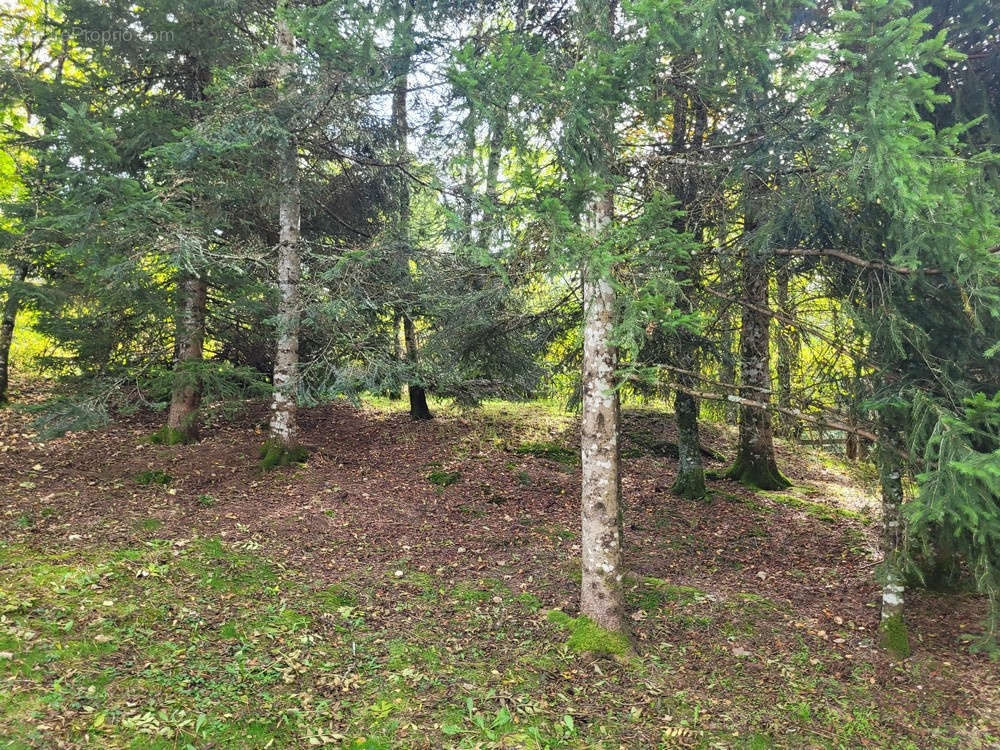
470 495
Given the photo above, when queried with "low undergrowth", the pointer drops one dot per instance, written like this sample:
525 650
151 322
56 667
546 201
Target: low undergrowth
200 643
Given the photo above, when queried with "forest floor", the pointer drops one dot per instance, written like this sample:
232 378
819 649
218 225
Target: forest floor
395 591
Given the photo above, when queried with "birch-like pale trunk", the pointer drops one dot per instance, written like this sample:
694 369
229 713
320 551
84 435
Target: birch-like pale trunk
601 597
892 534
286 360
787 347
10 309
186 395
892 627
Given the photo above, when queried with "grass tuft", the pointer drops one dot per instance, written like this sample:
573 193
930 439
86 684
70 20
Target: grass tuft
444 478
153 476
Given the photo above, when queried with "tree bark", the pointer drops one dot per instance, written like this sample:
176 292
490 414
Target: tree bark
602 597
284 428
498 125
469 189
10 309
892 627
755 463
690 479
182 419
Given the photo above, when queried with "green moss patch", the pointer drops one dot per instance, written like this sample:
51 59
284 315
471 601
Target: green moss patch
587 636
170 436
274 454
651 594
549 450
894 637
827 513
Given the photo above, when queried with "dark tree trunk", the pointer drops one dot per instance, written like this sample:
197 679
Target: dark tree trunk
182 419
727 354
690 480
851 447
755 464
10 310
889 453
418 397
469 189
403 48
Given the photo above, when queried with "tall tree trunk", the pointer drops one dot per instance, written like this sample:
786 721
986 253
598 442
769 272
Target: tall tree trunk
602 583
727 354
602 597
189 337
892 627
469 188
10 310
498 124
755 464
284 428
182 419
690 480
787 341
403 50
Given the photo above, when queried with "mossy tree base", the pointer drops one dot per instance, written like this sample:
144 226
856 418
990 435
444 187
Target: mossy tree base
690 485
763 475
274 454
586 636
894 637
172 436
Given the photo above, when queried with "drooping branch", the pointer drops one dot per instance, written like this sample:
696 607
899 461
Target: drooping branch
840 254
822 422
833 424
